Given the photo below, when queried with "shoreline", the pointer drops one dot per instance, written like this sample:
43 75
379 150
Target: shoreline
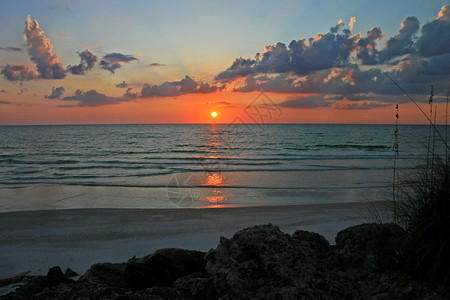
77 238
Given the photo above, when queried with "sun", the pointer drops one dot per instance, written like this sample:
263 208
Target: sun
214 114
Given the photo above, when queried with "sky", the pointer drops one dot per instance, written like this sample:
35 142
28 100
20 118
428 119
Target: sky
127 62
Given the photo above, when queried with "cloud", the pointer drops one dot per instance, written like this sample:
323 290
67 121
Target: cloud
130 95
177 88
15 49
56 93
87 63
360 105
352 22
320 101
64 36
367 47
435 38
113 61
40 51
301 57
3 91
346 71
122 85
403 42
314 101
19 73
91 98
5 102
157 65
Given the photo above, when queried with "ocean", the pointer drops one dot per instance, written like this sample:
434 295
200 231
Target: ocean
200 165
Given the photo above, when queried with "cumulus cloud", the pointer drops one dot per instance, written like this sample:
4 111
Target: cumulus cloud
19 73
40 51
186 85
113 61
435 38
122 85
15 49
328 68
352 22
301 57
87 63
367 47
56 93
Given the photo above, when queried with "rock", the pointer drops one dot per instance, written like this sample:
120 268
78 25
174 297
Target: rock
196 286
70 273
55 276
105 273
370 246
163 267
261 262
161 292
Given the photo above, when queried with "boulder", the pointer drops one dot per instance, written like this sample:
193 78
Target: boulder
70 273
163 267
105 273
55 276
370 246
261 262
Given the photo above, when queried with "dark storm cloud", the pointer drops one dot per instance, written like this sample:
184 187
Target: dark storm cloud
87 63
56 93
177 88
15 49
113 61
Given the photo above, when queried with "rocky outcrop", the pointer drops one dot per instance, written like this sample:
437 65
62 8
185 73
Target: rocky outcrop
262 262
163 267
259 262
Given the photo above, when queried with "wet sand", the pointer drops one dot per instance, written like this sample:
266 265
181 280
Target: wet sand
78 238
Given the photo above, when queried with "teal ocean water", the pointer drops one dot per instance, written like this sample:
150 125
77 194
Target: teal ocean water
87 166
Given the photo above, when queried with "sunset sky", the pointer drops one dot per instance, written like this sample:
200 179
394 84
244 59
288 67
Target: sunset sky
114 62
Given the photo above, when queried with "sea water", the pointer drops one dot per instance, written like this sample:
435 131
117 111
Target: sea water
200 165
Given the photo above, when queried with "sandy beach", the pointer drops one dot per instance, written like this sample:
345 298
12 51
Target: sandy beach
37 240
